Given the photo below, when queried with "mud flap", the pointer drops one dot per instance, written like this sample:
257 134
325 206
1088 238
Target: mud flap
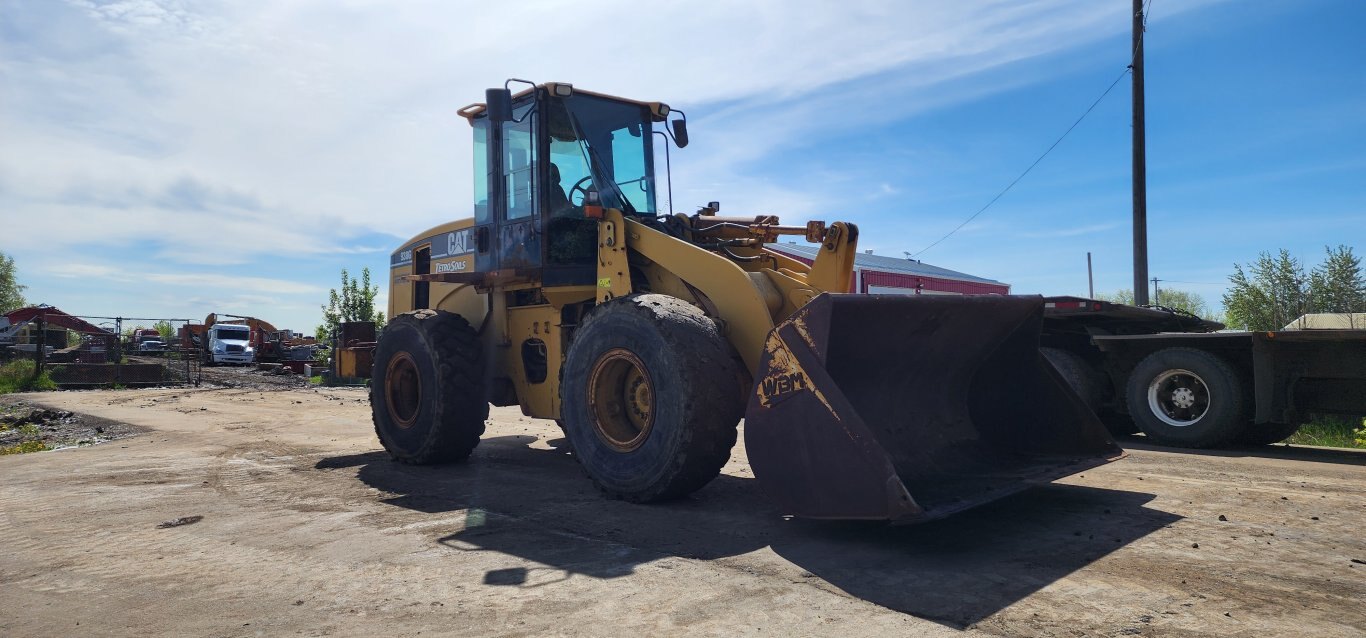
912 408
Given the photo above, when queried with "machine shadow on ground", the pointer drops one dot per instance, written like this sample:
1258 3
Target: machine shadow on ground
1341 456
536 504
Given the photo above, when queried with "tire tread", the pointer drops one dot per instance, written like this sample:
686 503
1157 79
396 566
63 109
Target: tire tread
463 407
709 373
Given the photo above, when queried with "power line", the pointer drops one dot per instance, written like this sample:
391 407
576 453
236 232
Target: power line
1133 56
1198 283
1027 170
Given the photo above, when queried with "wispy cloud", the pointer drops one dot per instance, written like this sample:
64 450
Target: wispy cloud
221 133
107 273
1074 231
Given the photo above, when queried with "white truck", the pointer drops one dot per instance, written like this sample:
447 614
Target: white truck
228 343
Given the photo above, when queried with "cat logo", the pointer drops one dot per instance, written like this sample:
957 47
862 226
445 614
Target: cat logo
458 242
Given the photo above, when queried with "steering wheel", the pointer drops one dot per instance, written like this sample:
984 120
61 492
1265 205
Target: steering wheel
581 186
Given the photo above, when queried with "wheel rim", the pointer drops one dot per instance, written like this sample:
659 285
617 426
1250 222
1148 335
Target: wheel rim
402 390
621 400
1178 398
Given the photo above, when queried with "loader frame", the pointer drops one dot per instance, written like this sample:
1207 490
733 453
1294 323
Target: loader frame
646 335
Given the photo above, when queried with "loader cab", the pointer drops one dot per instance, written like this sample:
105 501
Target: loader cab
539 160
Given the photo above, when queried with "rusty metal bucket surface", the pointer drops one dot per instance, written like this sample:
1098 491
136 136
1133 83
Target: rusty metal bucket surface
912 408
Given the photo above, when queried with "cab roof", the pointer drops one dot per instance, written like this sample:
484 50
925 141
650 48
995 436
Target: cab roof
658 110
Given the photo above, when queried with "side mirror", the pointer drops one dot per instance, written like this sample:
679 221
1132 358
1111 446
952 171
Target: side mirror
498 104
680 133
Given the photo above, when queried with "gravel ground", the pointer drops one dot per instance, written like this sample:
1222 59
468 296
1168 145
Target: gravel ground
21 423
272 511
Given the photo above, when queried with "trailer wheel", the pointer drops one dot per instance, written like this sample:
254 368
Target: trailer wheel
1186 398
1089 384
649 398
1078 373
427 395
1266 433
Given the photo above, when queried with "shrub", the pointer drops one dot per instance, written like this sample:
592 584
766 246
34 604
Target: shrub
17 376
23 448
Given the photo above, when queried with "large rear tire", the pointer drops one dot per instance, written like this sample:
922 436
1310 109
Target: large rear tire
1184 397
427 394
649 398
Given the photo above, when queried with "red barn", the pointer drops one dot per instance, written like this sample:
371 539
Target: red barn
877 274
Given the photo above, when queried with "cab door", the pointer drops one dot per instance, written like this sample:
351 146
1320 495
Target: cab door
508 237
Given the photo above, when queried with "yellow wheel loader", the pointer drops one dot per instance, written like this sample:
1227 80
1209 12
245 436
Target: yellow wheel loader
648 336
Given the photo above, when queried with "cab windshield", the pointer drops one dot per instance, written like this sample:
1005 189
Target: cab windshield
602 146
240 334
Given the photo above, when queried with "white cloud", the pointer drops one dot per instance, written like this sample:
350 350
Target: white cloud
323 110
1072 231
105 273
235 131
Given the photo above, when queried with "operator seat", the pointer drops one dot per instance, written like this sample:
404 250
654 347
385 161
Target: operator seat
572 238
557 203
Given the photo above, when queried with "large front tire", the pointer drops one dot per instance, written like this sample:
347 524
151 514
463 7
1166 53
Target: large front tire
649 399
427 394
1184 397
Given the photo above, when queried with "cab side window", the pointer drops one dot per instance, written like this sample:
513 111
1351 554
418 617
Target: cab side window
481 171
519 164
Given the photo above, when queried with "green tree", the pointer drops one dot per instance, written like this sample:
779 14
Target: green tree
355 302
166 330
1169 297
11 293
1337 284
1123 295
1270 293
1183 300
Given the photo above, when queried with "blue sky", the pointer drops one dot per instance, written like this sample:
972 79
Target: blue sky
172 158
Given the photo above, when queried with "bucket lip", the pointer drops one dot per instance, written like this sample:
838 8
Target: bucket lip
1015 487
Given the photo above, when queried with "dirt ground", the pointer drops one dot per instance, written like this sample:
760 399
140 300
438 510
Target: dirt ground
308 529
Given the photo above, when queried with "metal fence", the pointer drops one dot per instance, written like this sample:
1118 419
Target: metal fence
88 351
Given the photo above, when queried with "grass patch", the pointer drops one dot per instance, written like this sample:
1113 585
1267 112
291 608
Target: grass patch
316 379
1332 431
24 448
30 440
17 376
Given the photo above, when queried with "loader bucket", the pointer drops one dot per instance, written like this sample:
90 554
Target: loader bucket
907 409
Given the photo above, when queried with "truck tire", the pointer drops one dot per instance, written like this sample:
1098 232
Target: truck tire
1184 397
1080 376
649 399
1266 433
1089 384
427 396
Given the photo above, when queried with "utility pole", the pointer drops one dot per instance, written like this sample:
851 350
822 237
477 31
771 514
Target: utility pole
1157 294
1090 282
1140 185
40 355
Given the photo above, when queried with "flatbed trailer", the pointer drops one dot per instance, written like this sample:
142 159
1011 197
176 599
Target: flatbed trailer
1183 381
